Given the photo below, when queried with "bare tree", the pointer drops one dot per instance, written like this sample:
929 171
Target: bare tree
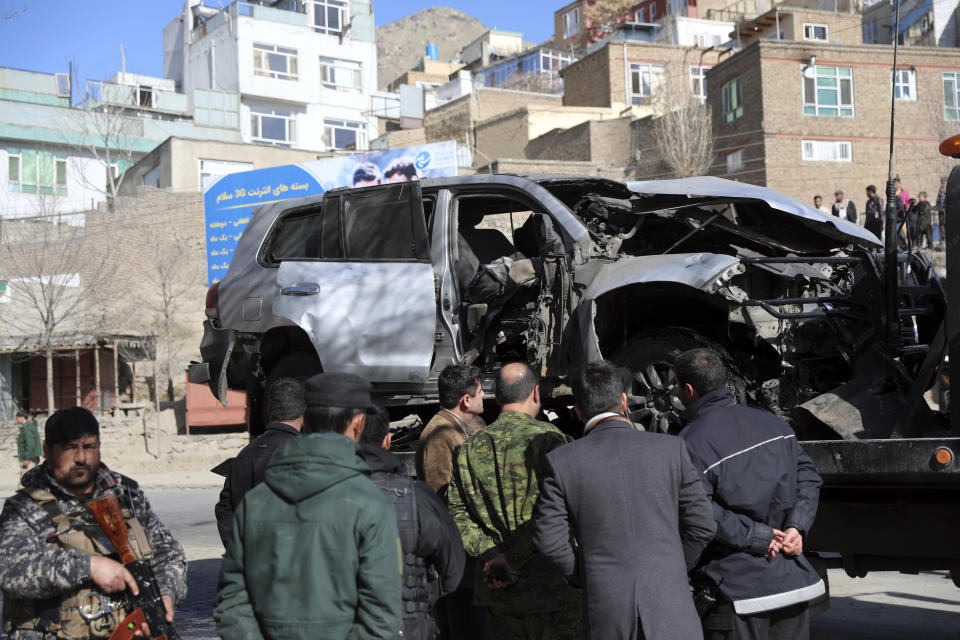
174 270
103 116
56 274
682 123
603 16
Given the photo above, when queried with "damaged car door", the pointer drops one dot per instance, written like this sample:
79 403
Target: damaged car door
367 300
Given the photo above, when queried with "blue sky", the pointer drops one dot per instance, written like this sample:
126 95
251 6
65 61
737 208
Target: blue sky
49 34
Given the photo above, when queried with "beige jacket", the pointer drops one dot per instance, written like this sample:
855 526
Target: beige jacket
435 450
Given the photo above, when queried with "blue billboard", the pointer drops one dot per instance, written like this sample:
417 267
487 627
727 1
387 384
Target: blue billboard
229 201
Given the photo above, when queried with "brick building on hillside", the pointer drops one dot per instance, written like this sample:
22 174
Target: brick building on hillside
806 118
573 28
800 24
626 75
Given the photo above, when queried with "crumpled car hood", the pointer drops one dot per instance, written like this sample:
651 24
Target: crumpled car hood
709 189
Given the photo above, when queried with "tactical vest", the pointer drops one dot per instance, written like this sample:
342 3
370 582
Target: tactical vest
420 583
61 616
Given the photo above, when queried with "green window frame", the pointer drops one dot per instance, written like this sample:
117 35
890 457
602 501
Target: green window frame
951 96
731 99
828 91
36 172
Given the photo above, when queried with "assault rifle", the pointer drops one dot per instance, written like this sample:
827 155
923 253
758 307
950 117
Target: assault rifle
148 604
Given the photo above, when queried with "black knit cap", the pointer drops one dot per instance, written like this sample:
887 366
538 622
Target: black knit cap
67 425
343 390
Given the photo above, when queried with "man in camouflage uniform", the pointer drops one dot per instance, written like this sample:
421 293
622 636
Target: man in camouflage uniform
53 556
496 482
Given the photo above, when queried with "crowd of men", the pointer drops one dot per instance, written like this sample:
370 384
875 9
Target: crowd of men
920 223
512 530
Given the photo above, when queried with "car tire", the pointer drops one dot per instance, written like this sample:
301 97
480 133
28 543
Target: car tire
652 398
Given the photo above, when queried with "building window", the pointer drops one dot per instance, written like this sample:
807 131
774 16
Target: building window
272 126
869 32
653 12
145 96
951 95
827 151
731 101
36 172
815 32
571 23
735 161
272 61
905 84
641 15
341 75
828 91
641 83
329 16
698 82
554 60
343 134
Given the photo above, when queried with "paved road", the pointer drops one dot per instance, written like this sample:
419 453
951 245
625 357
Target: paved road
881 606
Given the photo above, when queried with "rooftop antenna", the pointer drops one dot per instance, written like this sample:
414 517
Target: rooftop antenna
892 232
123 63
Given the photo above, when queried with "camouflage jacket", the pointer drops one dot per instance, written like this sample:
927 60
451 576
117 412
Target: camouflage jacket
33 569
497 478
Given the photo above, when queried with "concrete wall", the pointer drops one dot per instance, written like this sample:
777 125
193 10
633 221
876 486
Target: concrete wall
598 80
606 142
507 135
178 161
458 119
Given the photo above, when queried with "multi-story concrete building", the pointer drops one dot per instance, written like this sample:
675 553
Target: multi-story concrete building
575 30
807 118
922 23
536 69
58 155
626 75
787 22
304 69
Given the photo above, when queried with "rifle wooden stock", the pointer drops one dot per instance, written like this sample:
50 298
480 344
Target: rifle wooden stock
106 509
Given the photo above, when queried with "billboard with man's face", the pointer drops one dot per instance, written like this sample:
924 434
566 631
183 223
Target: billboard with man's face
229 200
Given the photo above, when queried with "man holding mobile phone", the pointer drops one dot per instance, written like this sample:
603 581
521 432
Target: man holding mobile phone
496 482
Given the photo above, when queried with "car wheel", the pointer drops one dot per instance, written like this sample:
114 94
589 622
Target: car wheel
652 398
299 365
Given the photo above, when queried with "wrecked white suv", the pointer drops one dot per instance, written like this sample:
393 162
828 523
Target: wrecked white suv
365 280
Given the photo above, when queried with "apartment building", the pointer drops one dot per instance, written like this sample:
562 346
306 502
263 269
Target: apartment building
575 29
923 23
60 155
806 118
786 22
624 76
304 69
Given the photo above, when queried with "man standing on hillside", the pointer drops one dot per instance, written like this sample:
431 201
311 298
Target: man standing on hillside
497 479
28 443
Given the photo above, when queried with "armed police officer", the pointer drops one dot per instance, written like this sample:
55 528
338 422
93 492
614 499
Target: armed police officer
54 560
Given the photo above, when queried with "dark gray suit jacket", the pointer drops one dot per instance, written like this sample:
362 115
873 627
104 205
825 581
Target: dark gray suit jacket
637 507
